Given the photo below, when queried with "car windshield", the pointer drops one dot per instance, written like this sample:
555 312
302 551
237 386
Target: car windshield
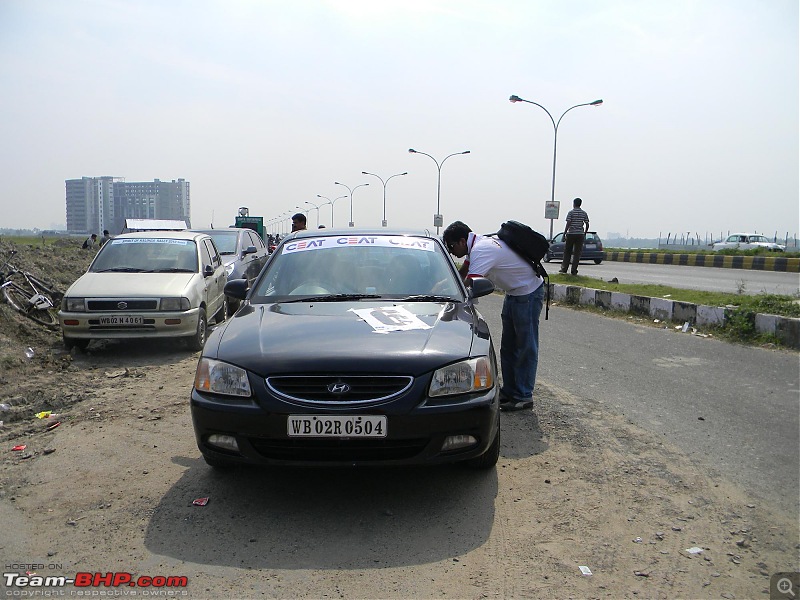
146 255
359 266
225 241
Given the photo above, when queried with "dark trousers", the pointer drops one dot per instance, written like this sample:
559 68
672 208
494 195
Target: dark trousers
573 246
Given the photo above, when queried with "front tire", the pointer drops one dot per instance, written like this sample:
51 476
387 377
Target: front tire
79 343
198 340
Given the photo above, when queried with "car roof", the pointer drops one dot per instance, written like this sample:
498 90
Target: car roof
169 235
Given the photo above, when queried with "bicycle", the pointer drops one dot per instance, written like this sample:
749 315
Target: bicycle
37 299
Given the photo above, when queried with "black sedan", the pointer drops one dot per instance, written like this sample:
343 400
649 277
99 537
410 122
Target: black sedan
592 248
351 348
243 252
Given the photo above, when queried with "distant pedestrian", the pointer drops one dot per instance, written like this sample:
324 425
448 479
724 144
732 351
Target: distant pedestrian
88 243
298 222
519 345
574 236
105 238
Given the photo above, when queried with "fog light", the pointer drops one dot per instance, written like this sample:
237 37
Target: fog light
172 321
224 442
456 442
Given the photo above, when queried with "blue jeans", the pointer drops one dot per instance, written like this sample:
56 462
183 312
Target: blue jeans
519 344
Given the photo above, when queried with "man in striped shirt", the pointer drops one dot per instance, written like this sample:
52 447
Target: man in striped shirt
574 234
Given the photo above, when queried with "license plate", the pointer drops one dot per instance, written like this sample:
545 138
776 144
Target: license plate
121 320
326 426
590 247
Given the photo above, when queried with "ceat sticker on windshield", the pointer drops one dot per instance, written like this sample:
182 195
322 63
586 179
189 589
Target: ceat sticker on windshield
390 318
382 241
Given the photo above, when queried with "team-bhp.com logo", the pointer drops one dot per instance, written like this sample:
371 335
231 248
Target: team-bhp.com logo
154 585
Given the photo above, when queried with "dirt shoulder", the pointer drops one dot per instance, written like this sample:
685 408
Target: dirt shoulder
111 489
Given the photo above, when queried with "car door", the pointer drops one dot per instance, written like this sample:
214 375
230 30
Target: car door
215 283
257 259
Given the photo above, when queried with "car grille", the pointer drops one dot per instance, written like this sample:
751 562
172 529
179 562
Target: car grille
127 305
339 389
330 450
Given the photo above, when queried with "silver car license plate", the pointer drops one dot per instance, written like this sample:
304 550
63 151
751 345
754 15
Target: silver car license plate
121 320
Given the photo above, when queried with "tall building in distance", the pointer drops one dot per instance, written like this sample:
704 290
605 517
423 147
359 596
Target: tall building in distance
98 203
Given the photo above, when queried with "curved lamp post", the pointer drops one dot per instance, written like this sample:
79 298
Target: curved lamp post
332 203
437 218
352 224
555 139
384 190
317 207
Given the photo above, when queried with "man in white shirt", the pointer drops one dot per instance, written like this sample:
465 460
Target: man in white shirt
524 296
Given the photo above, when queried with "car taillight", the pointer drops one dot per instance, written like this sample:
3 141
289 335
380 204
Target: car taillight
599 245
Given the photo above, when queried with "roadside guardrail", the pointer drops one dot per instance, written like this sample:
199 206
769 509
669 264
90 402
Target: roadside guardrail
758 263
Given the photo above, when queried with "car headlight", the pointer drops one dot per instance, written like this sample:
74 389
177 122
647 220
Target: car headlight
175 304
73 304
228 269
219 377
473 375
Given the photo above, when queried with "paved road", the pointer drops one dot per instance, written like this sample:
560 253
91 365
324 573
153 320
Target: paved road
693 278
734 409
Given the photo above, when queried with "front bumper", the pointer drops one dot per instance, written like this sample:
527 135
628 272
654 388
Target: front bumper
83 325
414 437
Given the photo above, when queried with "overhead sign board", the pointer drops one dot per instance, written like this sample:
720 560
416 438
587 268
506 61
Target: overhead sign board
551 209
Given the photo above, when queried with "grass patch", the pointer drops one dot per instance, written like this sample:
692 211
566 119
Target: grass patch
774 304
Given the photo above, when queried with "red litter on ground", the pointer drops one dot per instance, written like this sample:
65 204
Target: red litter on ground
19 448
200 502
54 425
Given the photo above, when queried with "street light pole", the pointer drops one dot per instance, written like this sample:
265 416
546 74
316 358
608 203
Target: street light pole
332 203
317 207
352 224
516 98
437 218
384 190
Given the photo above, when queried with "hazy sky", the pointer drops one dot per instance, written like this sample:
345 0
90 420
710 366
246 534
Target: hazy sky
266 103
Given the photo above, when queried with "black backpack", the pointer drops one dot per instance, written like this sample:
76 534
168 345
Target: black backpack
531 246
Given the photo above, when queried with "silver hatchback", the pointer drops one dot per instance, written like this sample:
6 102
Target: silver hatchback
147 285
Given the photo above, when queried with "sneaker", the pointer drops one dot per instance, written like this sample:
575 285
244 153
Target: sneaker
564 272
516 405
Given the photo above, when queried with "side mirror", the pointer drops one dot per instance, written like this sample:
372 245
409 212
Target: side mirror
236 288
208 271
249 250
480 287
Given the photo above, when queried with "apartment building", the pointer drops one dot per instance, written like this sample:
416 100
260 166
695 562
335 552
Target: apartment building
97 203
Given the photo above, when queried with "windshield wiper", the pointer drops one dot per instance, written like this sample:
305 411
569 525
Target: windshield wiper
428 298
124 270
174 270
333 298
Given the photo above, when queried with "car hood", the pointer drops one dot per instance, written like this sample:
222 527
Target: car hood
130 285
330 336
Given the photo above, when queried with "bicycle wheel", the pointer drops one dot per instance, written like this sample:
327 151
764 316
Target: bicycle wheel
20 300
